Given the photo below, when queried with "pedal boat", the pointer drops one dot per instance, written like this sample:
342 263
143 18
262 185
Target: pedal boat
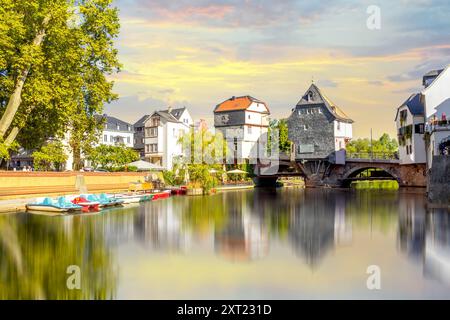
49 205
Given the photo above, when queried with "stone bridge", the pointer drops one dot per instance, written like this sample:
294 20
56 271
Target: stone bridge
327 174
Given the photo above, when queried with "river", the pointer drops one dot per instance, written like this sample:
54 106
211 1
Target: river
257 244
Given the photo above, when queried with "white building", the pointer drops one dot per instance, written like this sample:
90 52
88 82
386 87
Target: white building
245 120
436 99
116 131
163 129
410 130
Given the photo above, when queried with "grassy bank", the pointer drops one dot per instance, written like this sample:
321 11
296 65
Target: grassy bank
375 184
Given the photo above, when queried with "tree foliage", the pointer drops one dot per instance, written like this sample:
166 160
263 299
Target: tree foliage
204 155
55 58
284 144
383 145
51 155
111 157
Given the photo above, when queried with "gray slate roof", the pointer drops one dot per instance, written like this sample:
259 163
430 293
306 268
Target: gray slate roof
113 122
141 121
319 98
173 116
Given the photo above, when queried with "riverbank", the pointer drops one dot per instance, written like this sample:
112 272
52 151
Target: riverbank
17 185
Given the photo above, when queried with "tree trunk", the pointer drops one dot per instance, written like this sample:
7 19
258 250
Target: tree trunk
12 136
16 97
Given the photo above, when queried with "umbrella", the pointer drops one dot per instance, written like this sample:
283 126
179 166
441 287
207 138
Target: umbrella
237 171
142 165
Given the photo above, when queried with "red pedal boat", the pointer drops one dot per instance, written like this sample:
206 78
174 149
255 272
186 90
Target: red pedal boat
86 205
161 195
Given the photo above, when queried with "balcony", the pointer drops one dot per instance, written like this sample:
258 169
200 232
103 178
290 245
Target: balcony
439 125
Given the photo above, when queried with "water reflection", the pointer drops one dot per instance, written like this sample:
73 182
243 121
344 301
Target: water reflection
315 228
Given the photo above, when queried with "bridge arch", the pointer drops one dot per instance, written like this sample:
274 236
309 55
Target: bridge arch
353 172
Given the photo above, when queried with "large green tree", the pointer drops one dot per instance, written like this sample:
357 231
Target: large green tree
54 60
111 157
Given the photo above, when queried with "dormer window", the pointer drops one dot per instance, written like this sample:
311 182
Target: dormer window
310 96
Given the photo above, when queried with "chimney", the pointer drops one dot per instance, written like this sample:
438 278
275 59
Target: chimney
233 98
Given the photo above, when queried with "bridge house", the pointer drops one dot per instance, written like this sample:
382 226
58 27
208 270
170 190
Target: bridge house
245 121
410 130
318 128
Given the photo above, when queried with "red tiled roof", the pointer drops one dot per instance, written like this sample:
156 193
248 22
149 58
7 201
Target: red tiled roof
236 103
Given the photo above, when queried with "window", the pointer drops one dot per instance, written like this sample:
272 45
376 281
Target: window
128 139
403 115
111 139
118 127
105 138
143 140
338 125
249 117
147 148
305 127
419 128
249 130
319 110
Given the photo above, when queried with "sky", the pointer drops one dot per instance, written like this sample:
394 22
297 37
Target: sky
200 53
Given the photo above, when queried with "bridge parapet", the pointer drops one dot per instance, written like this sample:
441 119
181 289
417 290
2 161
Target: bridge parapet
391 157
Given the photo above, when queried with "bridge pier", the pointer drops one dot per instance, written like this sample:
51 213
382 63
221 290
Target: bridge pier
265 181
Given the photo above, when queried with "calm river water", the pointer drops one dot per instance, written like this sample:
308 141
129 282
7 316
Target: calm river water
257 244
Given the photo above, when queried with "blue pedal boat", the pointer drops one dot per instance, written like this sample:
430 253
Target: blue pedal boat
49 205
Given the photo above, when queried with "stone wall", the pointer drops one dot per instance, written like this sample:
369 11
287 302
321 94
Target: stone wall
439 180
13 184
319 134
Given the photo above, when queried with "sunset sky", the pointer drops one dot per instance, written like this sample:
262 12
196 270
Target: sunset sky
199 53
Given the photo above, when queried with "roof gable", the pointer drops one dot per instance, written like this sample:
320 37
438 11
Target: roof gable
238 104
141 121
315 96
414 105
437 79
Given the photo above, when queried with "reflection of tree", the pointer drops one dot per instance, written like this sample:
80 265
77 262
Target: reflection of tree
373 209
36 251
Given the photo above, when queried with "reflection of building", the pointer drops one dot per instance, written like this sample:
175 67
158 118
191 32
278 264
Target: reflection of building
312 228
411 225
343 231
159 226
244 238
437 245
